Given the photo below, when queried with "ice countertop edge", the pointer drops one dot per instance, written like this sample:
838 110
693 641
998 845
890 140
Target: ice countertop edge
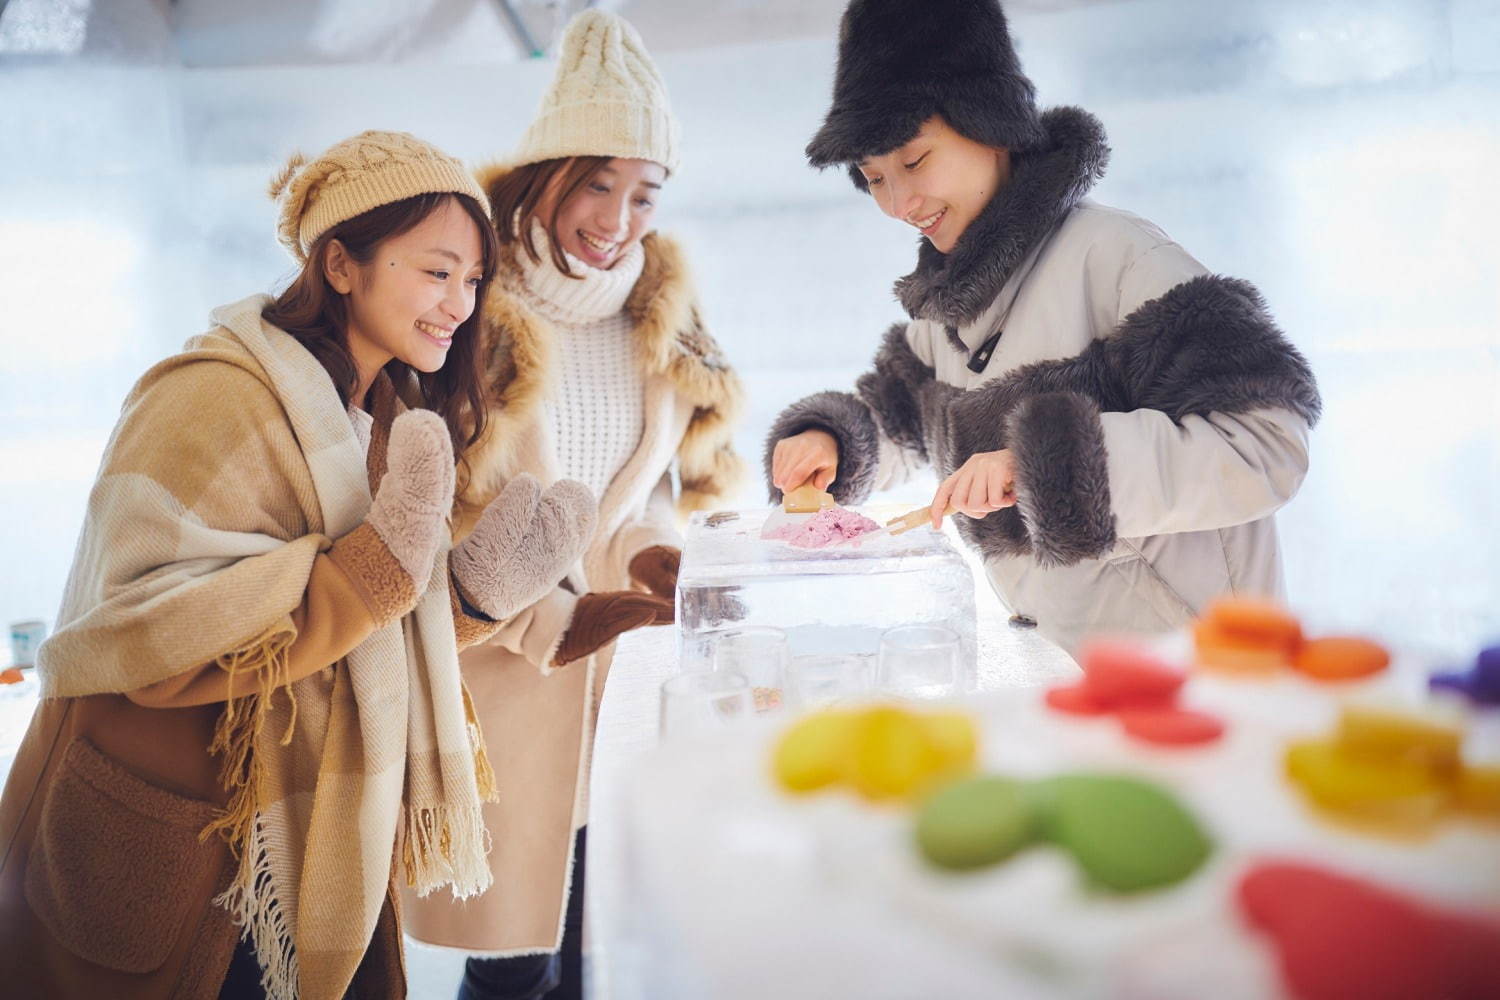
720 544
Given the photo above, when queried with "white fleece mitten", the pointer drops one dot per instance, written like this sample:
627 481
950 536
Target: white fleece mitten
523 544
411 508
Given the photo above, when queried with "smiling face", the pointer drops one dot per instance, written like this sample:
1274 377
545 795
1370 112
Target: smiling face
938 182
609 213
407 301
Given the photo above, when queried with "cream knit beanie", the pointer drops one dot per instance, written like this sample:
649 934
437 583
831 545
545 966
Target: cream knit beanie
607 99
356 175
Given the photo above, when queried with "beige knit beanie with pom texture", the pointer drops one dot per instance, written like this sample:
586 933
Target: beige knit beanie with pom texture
607 99
356 175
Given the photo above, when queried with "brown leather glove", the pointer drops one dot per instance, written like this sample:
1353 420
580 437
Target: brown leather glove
656 568
601 618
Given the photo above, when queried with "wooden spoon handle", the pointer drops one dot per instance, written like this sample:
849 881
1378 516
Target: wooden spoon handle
914 519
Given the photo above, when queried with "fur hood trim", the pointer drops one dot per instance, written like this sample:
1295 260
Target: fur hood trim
955 288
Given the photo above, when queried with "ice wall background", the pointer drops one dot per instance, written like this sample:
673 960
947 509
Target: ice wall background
1343 156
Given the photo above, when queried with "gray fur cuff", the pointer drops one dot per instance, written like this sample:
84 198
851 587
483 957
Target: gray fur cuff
849 421
1062 477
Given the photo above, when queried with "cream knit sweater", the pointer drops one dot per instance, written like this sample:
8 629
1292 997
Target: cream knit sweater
595 410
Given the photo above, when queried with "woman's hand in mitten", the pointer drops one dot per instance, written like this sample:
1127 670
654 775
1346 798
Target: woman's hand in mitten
523 544
655 568
601 618
411 506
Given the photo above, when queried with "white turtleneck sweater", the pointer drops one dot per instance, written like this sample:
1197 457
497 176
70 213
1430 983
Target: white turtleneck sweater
596 408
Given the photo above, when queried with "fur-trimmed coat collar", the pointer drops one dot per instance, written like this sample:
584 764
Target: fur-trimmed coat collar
955 288
670 341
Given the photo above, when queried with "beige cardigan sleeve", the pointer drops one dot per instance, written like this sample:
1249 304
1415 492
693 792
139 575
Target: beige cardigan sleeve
656 525
537 632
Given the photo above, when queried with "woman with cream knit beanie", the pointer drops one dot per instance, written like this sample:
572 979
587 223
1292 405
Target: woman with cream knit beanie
253 720
598 367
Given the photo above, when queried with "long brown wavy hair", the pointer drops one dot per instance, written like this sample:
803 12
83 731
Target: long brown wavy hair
318 317
515 198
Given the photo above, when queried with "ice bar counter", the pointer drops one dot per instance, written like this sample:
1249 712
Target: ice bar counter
835 600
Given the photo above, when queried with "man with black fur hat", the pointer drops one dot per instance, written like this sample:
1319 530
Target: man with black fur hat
1116 426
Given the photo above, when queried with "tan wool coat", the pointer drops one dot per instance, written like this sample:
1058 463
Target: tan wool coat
538 722
107 886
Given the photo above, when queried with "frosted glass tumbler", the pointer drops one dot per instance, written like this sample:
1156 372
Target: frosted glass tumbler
818 681
760 653
918 661
703 703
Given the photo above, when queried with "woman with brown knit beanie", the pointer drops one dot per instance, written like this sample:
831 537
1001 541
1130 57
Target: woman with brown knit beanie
253 721
598 367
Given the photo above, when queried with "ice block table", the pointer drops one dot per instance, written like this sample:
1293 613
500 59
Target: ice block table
627 727
837 599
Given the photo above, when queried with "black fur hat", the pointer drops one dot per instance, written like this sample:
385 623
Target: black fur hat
903 61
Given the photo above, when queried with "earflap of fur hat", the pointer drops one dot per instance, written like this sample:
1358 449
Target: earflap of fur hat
903 61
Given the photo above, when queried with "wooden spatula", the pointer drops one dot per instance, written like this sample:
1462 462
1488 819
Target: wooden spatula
913 519
796 507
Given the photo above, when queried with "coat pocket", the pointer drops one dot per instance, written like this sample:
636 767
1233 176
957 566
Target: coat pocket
116 865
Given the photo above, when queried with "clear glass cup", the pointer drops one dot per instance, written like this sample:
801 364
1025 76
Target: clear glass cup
703 703
817 681
918 661
760 653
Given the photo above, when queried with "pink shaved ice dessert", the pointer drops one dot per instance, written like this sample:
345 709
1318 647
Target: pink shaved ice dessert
829 526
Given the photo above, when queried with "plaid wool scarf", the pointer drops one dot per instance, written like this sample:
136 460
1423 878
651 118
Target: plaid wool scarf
233 465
